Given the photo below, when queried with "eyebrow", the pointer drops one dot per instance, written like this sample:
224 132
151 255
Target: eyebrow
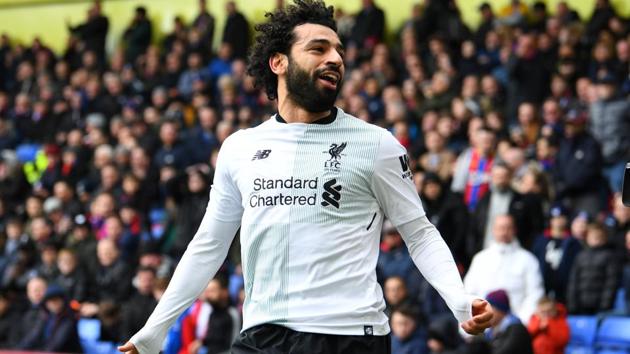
338 46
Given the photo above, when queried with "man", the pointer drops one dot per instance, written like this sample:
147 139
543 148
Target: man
503 199
139 307
93 33
610 126
508 335
138 35
309 189
556 250
506 265
576 175
236 31
472 169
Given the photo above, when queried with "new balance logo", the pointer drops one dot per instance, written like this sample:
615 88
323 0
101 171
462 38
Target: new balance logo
261 154
331 194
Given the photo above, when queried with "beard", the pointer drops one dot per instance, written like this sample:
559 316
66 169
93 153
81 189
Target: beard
302 88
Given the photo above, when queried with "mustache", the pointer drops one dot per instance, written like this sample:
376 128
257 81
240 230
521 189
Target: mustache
329 68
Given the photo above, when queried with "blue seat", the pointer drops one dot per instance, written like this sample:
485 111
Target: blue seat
98 347
89 329
612 351
620 301
578 349
583 330
614 334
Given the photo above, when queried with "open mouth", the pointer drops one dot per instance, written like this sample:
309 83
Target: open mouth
329 79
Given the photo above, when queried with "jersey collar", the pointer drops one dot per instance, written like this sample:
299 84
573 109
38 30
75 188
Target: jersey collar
326 120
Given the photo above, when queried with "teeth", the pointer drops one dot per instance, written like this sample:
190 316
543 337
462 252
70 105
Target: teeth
330 78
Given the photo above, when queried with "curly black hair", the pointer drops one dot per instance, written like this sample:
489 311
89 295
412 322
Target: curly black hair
277 36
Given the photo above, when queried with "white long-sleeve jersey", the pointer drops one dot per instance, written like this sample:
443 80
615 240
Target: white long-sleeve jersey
310 200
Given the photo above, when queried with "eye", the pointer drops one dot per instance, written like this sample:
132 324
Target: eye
318 49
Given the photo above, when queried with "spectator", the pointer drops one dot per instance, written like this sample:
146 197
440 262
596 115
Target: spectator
111 279
528 74
578 166
82 242
549 328
618 222
204 24
224 321
394 259
438 159
35 292
236 31
506 265
526 211
139 307
138 35
56 328
507 334
448 213
472 169
595 275
487 24
71 278
407 336
396 294
8 319
93 32
610 125
556 251
369 26
190 193
443 336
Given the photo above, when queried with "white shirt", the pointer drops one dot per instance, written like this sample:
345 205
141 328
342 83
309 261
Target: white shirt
511 268
310 200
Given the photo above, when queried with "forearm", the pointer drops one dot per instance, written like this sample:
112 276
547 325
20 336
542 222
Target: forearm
203 257
434 260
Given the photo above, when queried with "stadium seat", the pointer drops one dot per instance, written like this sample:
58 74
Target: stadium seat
89 329
614 334
620 301
583 331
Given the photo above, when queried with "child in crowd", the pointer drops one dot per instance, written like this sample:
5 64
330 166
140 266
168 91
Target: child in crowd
549 327
407 338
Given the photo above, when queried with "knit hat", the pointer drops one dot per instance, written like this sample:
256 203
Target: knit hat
499 300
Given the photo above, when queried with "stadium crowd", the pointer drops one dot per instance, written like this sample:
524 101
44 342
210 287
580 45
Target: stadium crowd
517 134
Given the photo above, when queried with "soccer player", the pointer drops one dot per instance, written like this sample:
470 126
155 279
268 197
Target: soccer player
309 188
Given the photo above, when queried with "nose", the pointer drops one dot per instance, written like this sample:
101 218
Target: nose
334 58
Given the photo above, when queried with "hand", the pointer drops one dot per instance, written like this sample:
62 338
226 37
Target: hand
482 316
128 348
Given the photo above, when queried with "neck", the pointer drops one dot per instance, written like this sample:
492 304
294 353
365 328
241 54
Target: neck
291 112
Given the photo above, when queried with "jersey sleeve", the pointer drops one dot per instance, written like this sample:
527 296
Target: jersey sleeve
225 198
203 257
392 182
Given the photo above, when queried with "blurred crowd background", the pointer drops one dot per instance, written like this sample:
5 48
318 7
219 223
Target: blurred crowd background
518 132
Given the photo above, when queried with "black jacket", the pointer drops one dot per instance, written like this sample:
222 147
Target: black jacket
513 340
526 209
136 311
220 329
236 33
449 214
62 336
594 281
111 283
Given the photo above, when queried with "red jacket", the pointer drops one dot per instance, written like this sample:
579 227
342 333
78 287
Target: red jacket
552 339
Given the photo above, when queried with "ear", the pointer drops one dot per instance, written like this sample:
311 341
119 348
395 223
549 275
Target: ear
278 63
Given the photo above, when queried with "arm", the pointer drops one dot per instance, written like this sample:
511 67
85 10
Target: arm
396 194
203 257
